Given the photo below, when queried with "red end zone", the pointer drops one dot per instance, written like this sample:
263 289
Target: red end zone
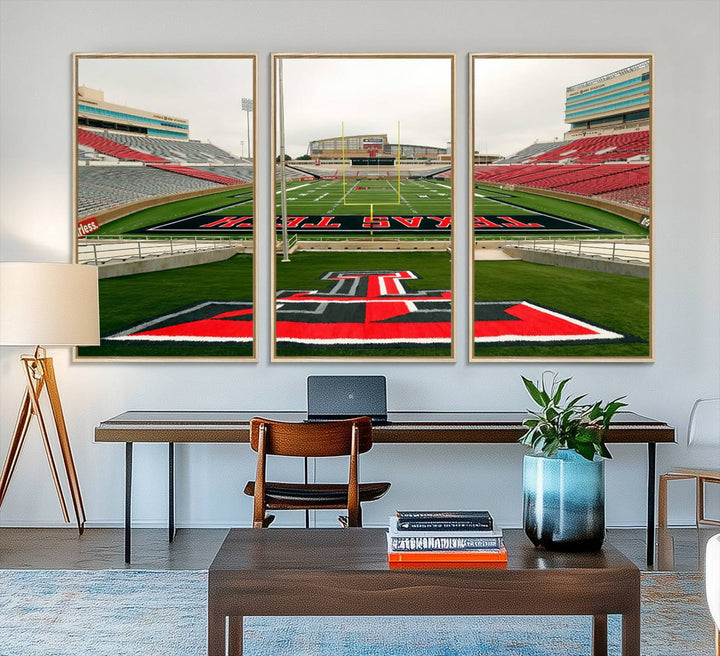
368 308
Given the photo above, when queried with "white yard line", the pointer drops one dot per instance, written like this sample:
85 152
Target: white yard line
538 212
293 188
402 198
342 200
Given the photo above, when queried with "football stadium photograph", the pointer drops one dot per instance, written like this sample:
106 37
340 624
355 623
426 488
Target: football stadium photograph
363 207
561 194
164 151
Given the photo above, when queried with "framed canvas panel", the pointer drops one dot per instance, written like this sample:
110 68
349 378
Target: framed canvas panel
561 193
363 212
164 157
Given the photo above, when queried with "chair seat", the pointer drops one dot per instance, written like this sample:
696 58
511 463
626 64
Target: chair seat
316 495
701 477
713 474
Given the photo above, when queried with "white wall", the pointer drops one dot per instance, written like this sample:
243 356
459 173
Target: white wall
35 219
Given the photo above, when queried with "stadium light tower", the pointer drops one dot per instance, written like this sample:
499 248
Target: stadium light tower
247 107
283 175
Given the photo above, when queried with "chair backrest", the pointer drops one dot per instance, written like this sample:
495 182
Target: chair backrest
704 423
311 439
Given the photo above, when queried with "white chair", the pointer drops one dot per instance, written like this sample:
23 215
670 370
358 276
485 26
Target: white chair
703 431
712 584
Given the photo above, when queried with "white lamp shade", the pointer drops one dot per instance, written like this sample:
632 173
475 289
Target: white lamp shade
48 304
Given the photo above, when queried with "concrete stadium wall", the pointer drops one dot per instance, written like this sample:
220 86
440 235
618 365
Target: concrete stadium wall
165 262
388 245
580 262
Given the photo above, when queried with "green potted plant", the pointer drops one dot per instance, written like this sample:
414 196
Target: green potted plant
564 467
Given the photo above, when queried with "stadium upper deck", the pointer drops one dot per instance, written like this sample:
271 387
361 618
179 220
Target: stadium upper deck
610 104
369 146
97 114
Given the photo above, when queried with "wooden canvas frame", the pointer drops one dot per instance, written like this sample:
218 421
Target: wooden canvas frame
283 348
187 312
513 70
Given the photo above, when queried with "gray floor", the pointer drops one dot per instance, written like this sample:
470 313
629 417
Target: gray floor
679 549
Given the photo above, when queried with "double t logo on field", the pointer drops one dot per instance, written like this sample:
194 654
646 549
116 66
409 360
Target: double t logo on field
366 308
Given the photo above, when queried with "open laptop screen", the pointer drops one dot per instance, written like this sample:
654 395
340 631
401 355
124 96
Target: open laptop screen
341 397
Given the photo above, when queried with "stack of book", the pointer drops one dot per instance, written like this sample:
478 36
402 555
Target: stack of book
427 538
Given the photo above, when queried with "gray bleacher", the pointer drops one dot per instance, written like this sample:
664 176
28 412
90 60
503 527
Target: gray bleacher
103 187
531 151
424 173
177 151
243 172
290 174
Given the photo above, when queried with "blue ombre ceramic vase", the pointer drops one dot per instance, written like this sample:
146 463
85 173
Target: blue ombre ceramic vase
564 501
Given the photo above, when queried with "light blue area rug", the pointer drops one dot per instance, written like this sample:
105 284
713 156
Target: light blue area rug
133 612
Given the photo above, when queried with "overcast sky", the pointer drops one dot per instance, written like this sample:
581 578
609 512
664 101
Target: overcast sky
207 92
520 101
517 100
370 95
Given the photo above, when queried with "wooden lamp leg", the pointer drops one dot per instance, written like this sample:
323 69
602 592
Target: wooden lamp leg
64 440
34 375
16 443
39 374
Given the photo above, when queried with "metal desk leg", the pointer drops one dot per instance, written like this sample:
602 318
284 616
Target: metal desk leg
128 497
171 491
651 505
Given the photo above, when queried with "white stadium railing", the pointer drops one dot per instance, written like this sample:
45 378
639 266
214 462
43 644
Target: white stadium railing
108 250
636 251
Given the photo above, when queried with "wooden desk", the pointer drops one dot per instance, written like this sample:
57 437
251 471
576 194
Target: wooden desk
345 572
403 427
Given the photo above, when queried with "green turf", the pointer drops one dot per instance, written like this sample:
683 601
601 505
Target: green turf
238 201
129 300
616 302
305 269
620 303
333 198
496 201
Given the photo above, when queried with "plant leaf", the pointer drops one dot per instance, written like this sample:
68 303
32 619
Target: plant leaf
534 392
586 451
558 392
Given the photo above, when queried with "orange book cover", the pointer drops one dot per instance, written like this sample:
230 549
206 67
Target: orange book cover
486 556
468 564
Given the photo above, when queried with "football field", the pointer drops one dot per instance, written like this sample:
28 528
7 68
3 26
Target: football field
522 309
387 195
504 213
360 207
386 304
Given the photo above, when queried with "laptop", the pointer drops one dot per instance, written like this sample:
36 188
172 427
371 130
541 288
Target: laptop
342 397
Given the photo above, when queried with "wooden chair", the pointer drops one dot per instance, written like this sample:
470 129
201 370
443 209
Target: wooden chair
703 429
349 437
701 477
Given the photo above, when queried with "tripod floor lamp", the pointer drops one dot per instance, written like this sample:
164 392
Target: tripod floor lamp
51 305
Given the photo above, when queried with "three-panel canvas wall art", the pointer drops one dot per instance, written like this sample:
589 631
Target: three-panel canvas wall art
361 232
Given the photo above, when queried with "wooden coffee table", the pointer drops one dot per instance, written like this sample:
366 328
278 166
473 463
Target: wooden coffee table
279 572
